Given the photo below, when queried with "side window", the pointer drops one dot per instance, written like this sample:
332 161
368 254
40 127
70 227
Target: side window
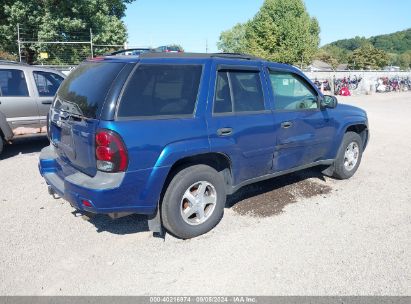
47 83
13 83
238 91
291 92
158 90
222 100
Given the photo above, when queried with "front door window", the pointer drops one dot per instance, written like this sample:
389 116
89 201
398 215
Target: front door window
292 93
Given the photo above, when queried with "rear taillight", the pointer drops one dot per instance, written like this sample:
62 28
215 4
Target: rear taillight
111 153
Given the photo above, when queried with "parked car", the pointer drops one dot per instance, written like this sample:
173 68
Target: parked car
26 93
132 52
169 49
171 135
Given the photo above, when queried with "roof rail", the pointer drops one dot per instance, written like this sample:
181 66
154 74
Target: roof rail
4 61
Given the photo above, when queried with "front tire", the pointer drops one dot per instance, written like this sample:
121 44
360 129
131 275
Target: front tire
194 201
349 156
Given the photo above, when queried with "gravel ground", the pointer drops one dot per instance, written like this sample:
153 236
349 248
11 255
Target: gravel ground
302 234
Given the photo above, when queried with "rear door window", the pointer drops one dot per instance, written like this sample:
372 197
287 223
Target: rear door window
161 90
13 83
238 91
47 83
85 89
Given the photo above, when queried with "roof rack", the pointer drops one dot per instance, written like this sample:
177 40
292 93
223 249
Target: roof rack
198 55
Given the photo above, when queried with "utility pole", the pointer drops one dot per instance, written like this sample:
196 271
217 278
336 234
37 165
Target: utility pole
18 40
206 45
91 43
302 60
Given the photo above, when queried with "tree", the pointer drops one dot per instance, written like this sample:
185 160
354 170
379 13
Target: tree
281 31
340 54
233 40
61 20
178 46
350 44
7 56
323 55
398 42
404 60
368 57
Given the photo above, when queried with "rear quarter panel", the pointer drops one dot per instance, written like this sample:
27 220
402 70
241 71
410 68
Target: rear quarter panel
155 144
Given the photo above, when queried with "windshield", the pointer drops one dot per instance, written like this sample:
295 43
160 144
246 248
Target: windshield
84 91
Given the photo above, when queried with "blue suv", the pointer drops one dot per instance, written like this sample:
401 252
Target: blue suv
171 135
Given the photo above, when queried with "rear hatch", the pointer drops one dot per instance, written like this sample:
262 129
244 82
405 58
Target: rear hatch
74 116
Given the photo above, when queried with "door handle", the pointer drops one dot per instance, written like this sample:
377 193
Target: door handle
286 124
46 102
224 131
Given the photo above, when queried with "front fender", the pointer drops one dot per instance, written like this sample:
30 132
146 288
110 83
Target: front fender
346 123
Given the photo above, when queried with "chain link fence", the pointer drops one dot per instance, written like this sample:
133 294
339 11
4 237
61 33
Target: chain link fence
62 48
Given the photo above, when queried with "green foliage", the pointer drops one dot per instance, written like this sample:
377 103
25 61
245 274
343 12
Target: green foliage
7 56
398 42
350 44
61 20
404 60
327 57
368 57
177 46
281 31
339 54
395 49
233 40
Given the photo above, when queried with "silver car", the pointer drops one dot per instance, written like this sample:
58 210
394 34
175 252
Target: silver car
26 93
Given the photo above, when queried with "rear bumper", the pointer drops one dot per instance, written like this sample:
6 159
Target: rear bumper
105 192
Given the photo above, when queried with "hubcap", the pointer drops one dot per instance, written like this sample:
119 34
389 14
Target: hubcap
352 152
198 203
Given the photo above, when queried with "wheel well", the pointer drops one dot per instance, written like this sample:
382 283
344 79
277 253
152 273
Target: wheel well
220 162
361 130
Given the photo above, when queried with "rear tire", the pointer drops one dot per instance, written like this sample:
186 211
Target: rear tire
349 156
194 201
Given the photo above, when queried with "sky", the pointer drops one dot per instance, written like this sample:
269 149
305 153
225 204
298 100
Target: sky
195 24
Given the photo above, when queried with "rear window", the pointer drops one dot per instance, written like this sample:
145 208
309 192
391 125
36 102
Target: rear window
161 90
85 89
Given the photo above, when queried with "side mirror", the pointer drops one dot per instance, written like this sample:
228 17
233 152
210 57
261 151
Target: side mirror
328 102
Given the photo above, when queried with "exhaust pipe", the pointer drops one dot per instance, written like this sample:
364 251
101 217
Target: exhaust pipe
117 215
52 192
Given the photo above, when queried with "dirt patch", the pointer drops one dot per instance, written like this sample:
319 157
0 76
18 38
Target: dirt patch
269 197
